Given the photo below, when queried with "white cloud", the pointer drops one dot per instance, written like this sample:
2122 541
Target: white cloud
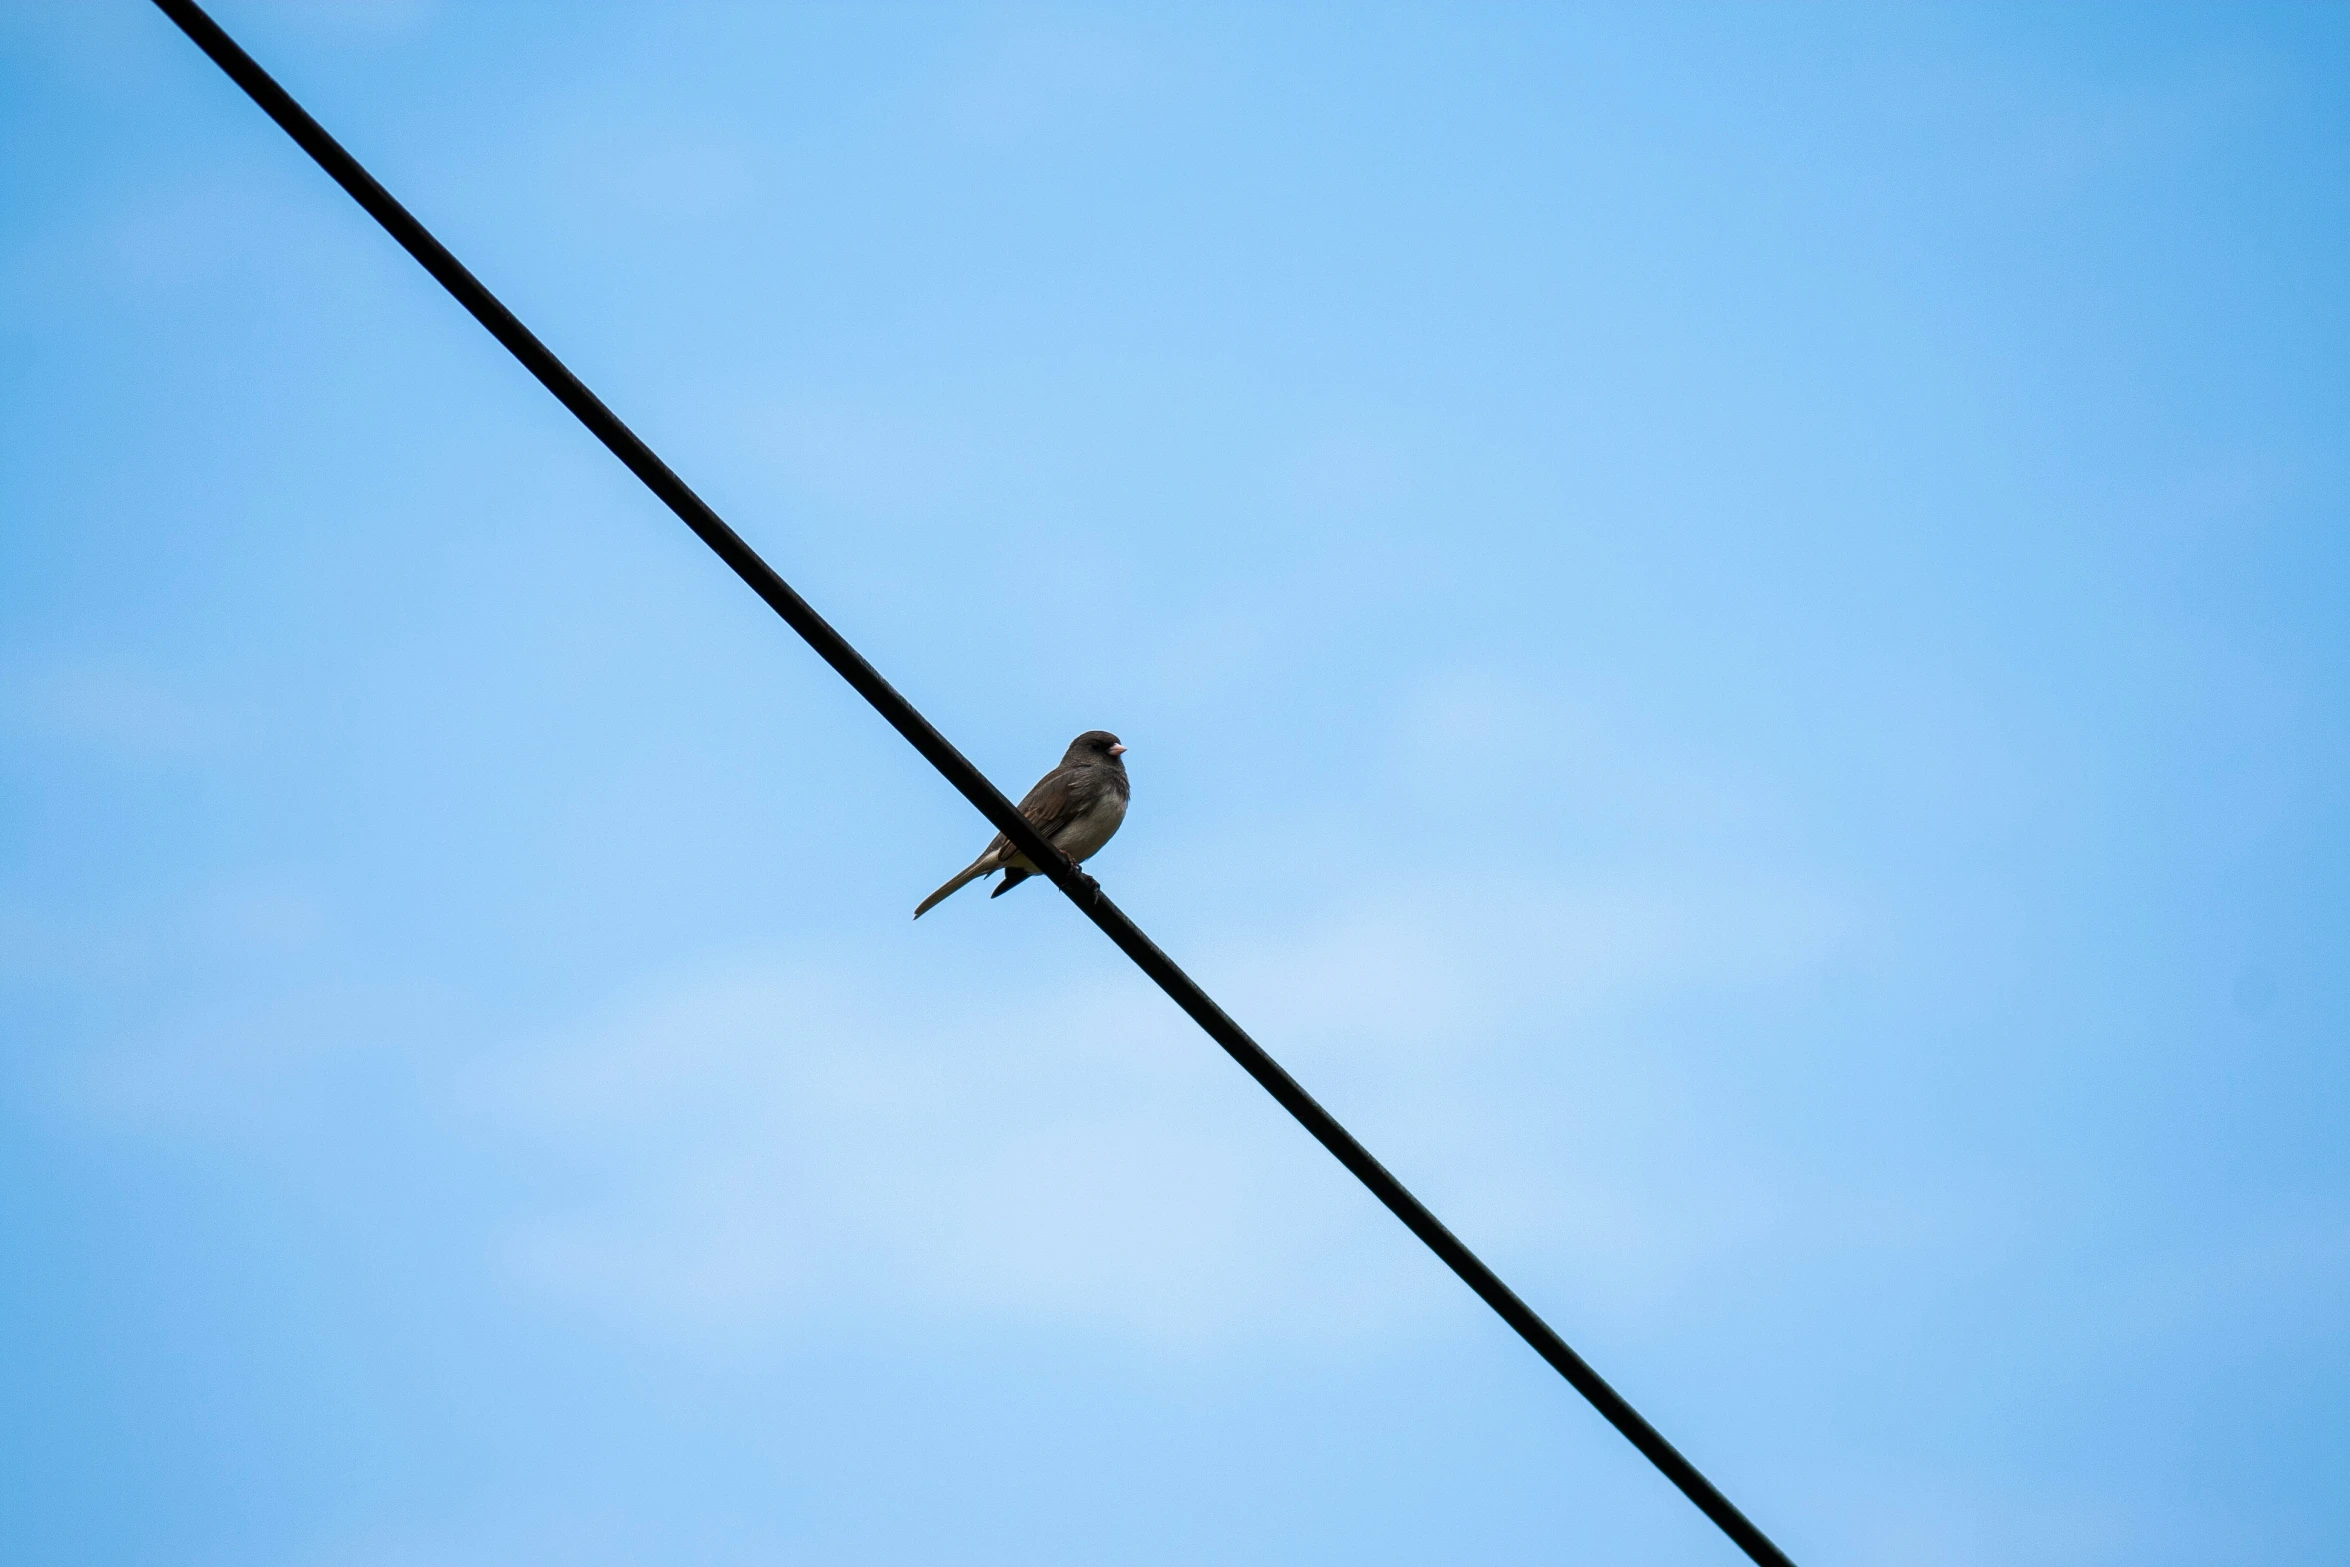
781 1138
789 1137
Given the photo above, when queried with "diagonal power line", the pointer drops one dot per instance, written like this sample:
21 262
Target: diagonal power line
901 715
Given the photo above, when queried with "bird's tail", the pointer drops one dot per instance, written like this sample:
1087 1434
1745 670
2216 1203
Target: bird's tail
955 883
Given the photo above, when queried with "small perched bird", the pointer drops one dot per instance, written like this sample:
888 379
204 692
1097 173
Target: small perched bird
1076 806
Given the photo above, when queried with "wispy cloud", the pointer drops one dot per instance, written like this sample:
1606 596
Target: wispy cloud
786 1137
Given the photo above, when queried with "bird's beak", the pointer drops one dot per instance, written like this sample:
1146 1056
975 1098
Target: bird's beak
1117 750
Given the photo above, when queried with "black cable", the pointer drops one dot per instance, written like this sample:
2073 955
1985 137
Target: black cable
834 649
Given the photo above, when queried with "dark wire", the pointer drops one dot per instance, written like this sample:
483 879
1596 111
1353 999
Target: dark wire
835 650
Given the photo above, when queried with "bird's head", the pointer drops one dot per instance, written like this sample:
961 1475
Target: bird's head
1095 745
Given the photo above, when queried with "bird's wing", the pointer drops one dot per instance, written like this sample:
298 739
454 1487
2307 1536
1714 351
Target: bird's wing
1048 807
1057 799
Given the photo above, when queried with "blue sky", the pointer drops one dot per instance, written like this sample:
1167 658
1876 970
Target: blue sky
1732 627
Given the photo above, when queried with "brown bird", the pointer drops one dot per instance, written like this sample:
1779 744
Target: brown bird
1076 806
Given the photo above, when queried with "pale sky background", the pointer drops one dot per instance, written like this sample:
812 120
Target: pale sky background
1735 628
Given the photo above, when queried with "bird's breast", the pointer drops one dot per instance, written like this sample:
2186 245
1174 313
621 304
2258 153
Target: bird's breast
1091 828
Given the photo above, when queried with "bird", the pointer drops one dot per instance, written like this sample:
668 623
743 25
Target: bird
1076 807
